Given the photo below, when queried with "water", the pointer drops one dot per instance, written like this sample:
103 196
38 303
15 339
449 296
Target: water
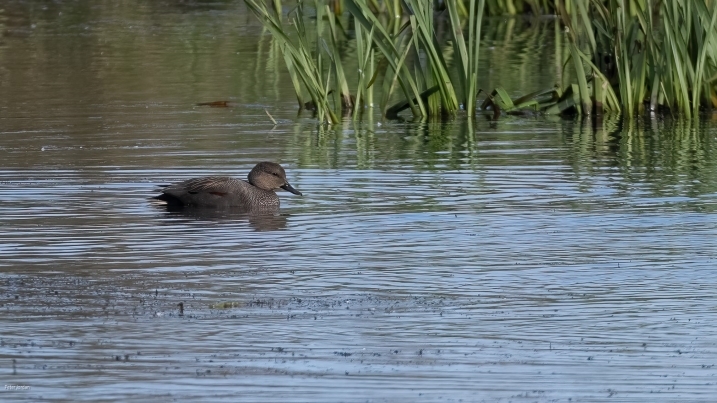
524 260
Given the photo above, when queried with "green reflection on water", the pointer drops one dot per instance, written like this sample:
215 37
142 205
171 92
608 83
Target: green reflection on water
146 65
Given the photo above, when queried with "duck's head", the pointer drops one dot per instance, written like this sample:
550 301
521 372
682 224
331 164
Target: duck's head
270 176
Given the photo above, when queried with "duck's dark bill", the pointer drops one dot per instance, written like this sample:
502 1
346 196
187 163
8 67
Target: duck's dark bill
288 188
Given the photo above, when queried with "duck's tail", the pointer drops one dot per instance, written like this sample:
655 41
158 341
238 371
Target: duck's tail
172 202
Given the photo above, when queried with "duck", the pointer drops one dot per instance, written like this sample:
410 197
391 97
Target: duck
215 192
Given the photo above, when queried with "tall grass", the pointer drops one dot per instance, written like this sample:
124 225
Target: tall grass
366 60
627 56
412 66
419 54
305 66
468 51
654 55
394 49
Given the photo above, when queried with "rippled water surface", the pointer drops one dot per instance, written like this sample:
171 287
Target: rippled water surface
521 260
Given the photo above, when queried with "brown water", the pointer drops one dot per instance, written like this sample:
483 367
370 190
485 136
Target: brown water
524 260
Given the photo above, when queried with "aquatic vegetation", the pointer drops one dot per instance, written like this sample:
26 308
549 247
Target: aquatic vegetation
412 58
624 56
632 56
306 67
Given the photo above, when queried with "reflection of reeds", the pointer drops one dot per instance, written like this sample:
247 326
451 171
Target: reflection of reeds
664 157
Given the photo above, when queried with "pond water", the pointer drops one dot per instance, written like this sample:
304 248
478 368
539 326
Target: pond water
521 260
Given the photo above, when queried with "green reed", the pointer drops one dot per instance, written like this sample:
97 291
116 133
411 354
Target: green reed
468 51
656 55
415 56
411 66
626 56
306 67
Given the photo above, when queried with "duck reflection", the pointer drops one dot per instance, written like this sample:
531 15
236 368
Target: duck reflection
269 220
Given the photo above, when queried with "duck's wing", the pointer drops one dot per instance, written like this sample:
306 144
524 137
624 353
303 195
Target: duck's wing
211 191
216 185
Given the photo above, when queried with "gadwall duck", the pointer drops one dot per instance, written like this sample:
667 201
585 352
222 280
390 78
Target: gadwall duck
226 192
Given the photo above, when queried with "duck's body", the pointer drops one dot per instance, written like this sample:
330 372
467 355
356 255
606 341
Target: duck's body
219 192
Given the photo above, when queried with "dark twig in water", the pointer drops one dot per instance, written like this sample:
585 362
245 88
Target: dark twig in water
215 104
